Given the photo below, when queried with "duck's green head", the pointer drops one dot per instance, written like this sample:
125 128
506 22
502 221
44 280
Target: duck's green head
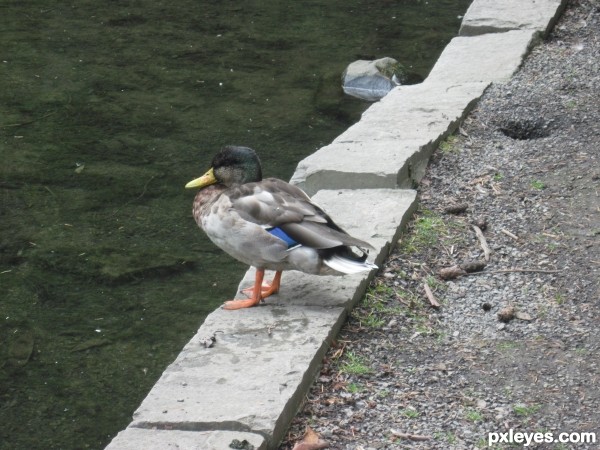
232 165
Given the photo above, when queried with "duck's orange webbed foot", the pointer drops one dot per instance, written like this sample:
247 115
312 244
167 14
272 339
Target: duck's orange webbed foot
256 294
240 304
267 288
250 290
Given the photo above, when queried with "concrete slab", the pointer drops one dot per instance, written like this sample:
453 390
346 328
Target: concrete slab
252 379
137 439
486 58
254 375
391 144
493 16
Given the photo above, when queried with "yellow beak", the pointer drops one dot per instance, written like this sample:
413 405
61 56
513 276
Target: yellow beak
205 180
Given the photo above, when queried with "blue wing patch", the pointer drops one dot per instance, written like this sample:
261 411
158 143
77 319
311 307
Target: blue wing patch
278 232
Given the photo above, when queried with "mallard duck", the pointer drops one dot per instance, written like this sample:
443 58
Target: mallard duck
269 224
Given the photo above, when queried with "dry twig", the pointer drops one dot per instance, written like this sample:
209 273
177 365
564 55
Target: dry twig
514 270
410 437
432 300
509 234
482 241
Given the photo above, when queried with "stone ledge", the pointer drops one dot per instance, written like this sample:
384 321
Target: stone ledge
391 145
489 58
493 16
253 377
138 439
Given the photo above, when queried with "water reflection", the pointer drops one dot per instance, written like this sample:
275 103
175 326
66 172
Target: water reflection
106 110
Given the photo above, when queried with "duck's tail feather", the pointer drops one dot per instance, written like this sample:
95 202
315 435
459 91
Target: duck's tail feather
347 265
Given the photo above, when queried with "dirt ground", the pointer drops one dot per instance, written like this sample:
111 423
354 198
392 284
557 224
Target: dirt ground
507 242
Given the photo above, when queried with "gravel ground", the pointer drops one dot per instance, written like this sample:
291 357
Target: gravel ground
513 344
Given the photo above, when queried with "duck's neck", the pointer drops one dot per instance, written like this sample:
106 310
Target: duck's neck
204 200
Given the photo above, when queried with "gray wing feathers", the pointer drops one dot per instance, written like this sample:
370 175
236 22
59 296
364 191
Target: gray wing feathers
275 203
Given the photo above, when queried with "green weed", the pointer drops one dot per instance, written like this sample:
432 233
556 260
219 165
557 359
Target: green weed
372 321
449 145
355 365
410 413
537 184
524 410
354 388
473 416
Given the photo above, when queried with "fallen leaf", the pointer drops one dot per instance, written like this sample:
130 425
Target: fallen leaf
523 316
311 441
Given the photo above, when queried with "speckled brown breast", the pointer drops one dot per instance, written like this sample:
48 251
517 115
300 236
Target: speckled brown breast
204 200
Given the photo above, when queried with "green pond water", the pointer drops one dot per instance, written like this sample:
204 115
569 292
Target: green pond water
106 110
